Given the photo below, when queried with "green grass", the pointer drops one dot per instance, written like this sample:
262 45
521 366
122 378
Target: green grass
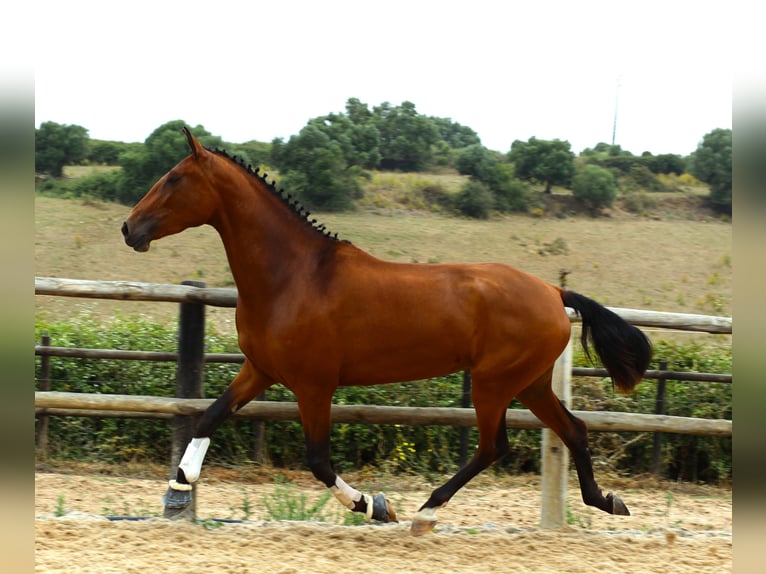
287 503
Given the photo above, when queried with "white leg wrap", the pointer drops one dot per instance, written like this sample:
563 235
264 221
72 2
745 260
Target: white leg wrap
347 495
191 462
427 514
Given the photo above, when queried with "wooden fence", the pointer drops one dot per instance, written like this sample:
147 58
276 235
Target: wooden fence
190 359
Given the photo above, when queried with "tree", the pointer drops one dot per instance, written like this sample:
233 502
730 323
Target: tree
711 163
594 187
164 148
405 137
510 192
455 135
257 153
477 161
57 145
484 166
314 168
664 163
547 161
103 152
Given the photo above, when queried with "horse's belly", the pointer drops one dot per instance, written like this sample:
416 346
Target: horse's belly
404 359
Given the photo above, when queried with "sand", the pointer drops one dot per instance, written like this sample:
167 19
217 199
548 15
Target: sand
491 525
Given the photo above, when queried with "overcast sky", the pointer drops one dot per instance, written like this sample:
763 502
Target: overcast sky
509 70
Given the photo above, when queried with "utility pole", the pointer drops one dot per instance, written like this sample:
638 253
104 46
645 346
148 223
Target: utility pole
616 105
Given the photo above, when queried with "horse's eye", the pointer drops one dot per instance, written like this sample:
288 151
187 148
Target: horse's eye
173 178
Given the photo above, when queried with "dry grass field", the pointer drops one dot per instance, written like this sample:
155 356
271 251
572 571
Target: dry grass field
664 263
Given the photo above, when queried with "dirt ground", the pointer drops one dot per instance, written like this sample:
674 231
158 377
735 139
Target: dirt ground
491 525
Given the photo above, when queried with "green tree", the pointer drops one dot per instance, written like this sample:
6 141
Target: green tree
103 152
57 145
406 137
711 163
258 153
455 135
510 193
547 161
595 187
611 157
484 166
664 163
358 142
477 161
314 168
164 148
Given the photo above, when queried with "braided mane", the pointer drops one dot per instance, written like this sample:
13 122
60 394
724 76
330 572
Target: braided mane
288 200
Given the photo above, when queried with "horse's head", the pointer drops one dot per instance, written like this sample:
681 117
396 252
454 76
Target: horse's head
183 197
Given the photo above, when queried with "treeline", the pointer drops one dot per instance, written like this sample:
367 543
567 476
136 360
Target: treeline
328 162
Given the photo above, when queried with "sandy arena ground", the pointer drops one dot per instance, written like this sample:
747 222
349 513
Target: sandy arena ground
490 526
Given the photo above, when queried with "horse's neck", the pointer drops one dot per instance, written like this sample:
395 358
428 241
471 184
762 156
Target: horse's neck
266 244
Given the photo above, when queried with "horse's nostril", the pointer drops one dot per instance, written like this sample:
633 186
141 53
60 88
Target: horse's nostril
125 229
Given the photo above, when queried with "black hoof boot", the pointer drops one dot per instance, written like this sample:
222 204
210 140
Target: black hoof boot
178 504
382 511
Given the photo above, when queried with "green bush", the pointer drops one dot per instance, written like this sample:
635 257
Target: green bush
511 195
594 187
474 200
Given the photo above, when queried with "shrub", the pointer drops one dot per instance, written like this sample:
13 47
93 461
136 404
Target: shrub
594 187
474 200
511 195
644 179
638 202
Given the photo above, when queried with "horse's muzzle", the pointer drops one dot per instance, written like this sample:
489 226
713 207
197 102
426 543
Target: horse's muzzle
137 241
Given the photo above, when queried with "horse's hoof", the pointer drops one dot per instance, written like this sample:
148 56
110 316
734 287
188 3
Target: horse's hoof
618 506
186 513
178 504
420 526
382 511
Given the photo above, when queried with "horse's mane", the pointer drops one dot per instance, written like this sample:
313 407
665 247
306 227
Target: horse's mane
288 200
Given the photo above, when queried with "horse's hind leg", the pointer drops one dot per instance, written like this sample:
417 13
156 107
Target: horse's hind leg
493 444
244 387
541 400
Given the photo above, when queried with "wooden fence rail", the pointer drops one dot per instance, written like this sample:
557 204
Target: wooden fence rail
53 402
172 357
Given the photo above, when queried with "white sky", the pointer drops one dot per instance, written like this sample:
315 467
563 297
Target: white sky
509 70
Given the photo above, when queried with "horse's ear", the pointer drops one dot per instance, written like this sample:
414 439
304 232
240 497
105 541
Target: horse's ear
193 143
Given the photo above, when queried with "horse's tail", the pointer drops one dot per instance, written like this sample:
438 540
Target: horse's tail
624 350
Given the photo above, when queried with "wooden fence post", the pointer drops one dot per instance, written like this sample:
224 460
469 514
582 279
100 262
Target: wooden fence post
189 378
555 456
659 409
45 385
259 436
465 402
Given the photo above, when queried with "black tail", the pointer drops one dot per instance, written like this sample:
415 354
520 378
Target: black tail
623 349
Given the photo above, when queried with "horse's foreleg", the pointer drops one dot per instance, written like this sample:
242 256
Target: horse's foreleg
493 444
541 400
246 385
316 422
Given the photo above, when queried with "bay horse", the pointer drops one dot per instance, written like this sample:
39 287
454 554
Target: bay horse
315 313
